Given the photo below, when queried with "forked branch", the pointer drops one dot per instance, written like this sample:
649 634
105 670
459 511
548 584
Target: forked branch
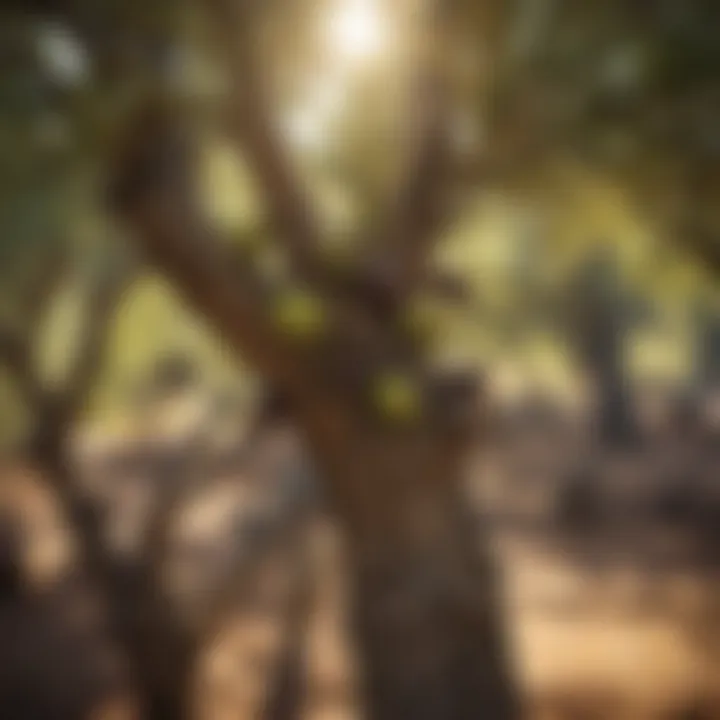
155 197
418 211
251 124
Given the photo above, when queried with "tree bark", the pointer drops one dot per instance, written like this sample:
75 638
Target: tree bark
426 614
707 332
49 451
616 417
159 650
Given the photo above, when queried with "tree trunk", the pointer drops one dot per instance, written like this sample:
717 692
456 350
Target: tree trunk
425 607
600 314
616 417
160 652
49 451
707 361
601 352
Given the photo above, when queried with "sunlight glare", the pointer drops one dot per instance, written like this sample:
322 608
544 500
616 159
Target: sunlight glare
309 124
356 29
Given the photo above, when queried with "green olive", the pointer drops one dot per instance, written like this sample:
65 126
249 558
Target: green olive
398 397
299 314
422 320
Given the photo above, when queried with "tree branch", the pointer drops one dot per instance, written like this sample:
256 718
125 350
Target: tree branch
153 192
16 356
102 302
704 245
419 209
250 123
45 283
